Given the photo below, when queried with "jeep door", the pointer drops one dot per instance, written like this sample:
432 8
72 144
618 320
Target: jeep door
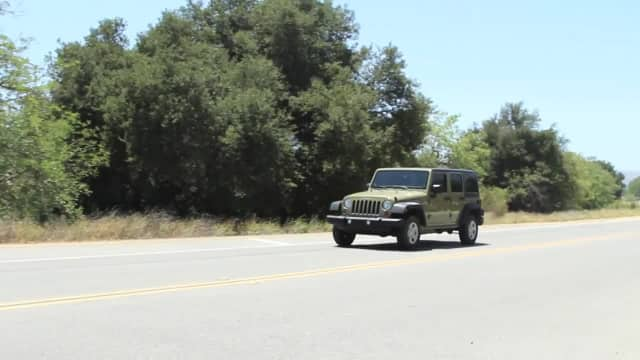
456 194
438 203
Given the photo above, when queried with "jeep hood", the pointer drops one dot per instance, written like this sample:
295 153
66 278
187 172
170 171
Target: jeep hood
397 195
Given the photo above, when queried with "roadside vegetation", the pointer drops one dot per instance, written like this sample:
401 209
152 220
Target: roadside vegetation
633 190
251 110
572 215
162 226
148 226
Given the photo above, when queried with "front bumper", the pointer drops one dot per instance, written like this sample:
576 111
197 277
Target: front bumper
364 225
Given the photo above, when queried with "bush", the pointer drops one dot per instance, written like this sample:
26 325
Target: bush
623 204
633 190
46 154
594 187
495 200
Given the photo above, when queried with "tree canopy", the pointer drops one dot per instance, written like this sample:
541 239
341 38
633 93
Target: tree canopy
526 160
594 184
511 151
237 107
45 153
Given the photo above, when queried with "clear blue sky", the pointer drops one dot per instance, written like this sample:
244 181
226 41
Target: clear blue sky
576 62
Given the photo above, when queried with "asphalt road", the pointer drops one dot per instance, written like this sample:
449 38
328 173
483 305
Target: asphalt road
564 291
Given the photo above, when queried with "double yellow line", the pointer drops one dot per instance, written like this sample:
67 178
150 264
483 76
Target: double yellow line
432 258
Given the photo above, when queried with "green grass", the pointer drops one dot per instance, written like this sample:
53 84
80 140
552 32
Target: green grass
159 226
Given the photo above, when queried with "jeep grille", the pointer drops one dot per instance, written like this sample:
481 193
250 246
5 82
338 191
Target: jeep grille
366 207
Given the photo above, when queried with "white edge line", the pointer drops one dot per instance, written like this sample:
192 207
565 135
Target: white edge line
488 228
268 244
157 253
272 242
121 255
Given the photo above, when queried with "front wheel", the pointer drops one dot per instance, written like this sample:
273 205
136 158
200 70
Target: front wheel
342 238
409 235
469 230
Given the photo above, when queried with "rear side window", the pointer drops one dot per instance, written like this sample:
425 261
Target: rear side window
471 185
440 179
456 183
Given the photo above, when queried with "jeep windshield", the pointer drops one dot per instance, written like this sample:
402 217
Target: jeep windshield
400 179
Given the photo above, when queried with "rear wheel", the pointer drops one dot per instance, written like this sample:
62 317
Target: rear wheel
342 238
469 230
409 235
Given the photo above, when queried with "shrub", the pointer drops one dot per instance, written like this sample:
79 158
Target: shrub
495 200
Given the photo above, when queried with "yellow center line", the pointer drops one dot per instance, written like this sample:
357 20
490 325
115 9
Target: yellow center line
469 253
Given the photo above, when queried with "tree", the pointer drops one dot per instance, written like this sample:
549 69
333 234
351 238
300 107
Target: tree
527 160
472 152
448 146
189 110
304 38
341 156
226 22
634 188
618 177
347 128
45 154
400 112
595 186
17 76
88 79
437 148
239 107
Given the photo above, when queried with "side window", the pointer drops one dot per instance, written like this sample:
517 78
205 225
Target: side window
440 179
471 185
456 183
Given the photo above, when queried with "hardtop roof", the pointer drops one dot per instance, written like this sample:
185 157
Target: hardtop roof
428 169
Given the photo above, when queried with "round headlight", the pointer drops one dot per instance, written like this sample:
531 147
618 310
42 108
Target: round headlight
387 205
347 204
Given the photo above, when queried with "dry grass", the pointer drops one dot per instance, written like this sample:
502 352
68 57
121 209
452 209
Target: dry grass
155 226
149 226
522 218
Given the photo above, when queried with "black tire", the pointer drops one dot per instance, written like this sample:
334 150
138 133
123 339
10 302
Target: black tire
407 238
469 229
342 238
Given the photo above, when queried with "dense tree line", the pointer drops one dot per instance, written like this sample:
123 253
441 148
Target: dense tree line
242 107
238 107
529 164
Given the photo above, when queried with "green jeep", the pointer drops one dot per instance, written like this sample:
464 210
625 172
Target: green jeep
409 202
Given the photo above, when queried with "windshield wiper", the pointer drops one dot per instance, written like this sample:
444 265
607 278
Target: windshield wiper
404 187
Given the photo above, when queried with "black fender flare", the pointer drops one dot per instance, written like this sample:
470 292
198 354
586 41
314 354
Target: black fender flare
402 209
471 209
